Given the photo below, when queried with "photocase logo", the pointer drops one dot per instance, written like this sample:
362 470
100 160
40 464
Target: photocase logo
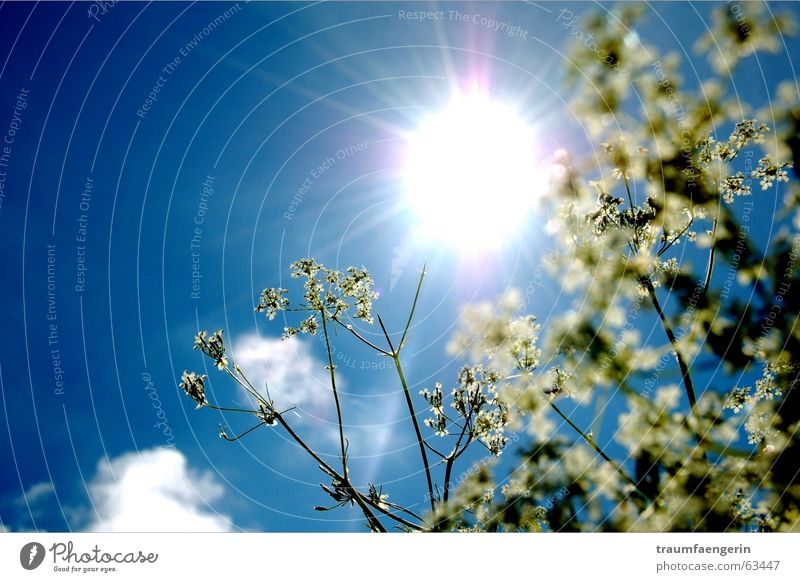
31 555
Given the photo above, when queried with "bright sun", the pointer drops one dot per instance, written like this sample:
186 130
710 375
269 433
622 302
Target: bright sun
471 173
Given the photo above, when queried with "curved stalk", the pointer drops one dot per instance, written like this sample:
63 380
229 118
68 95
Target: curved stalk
685 376
420 441
590 441
332 372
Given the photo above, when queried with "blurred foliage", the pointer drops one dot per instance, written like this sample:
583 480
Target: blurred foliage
656 229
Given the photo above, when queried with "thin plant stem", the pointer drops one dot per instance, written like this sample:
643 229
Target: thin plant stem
710 265
433 450
241 436
325 466
420 441
371 519
393 516
224 409
674 239
627 188
360 337
635 247
335 391
331 471
685 376
591 442
413 308
363 502
470 438
247 385
450 460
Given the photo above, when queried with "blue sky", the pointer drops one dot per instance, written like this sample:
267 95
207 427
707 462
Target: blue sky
274 134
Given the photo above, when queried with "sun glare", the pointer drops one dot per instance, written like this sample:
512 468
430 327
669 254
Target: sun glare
471 173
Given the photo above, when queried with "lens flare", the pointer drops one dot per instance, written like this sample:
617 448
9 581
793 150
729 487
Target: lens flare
471 174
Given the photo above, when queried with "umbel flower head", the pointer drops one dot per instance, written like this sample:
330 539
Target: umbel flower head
194 386
482 414
213 347
327 291
272 301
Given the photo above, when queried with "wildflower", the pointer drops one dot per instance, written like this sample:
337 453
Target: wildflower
741 29
438 424
737 398
272 301
523 348
744 132
757 427
734 185
309 325
706 150
434 398
767 388
358 284
618 155
213 347
770 172
559 380
607 213
194 386
305 268
327 290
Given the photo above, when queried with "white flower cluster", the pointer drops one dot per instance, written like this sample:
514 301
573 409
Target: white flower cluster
770 172
213 347
194 386
481 413
327 291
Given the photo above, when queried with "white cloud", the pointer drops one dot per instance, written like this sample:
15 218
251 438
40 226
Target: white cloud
295 376
154 490
35 497
298 378
37 493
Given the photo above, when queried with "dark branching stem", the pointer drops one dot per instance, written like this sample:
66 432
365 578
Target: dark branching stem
332 371
454 454
420 441
591 442
364 502
360 337
392 515
684 368
356 495
667 244
710 265
685 376
395 355
224 409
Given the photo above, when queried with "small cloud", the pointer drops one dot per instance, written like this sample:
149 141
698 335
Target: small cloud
154 490
37 493
295 376
34 504
298 378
